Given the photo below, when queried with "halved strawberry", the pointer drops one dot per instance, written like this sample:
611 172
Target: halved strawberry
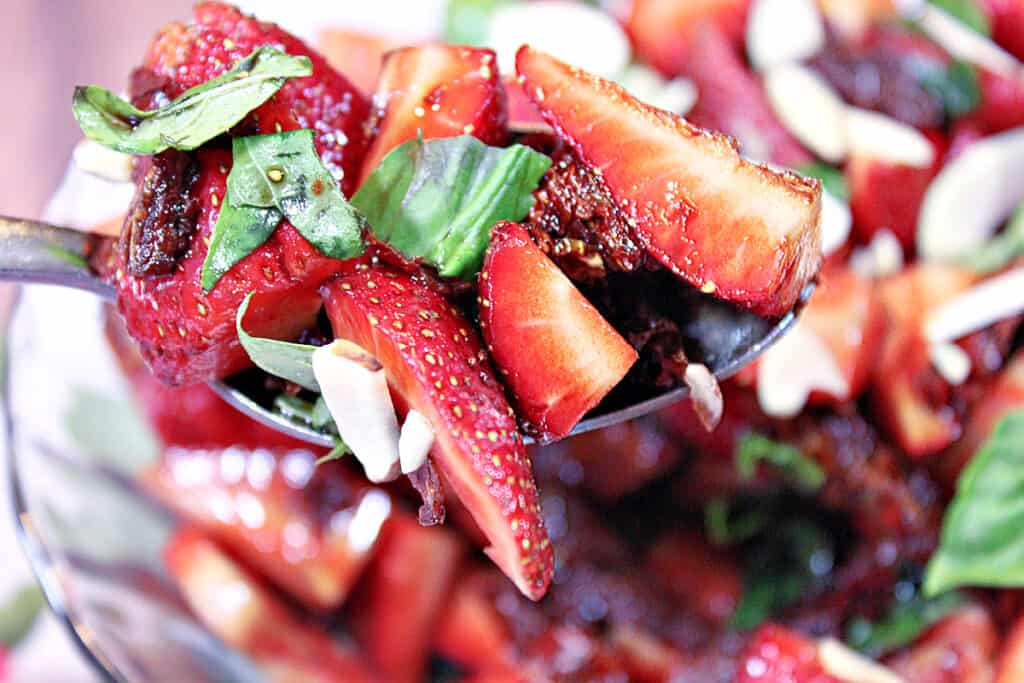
732 101
665 32
438 91
278 511
745 232
776 654
1002 103
1011 660
961 647
436 365
523 115
555 351
1007 19
471 631
405 590
254 620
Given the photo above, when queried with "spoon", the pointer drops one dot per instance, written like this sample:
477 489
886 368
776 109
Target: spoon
723 337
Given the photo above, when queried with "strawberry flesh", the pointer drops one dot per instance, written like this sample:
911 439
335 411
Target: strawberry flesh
778 655
436 365
555 351
747 233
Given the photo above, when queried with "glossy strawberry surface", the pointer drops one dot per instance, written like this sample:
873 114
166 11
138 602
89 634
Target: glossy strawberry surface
777 655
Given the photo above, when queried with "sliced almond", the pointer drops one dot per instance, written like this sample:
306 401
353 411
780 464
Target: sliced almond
101 162
882 257
783 31
843 663
796 365
962 42
836 221
355 389
995 299
677 96
972 196
809 108
415 442
877 136
705 394
951 361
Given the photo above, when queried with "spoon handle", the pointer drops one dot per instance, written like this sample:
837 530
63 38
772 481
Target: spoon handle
39 253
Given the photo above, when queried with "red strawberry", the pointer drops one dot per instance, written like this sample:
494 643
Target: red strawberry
356 54
555 351
254 620
399 603
1011 661
436 365
523 115
702 579
777 655
440 91
1002 103
279 512
961 647
471 632
1007 19
187 336
665 32
724 224
647 658
733 102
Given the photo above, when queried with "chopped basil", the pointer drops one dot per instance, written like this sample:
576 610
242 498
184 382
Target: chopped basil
1000 250
290 361
724 525
467 22
284 171
968 13
902 625
196 116
438 199
956 85
339 451
832 179
236 234
18 615
981 542
313 414
754 448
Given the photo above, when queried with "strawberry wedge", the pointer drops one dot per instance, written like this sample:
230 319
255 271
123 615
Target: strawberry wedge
438 91
436 365
747 233
555 351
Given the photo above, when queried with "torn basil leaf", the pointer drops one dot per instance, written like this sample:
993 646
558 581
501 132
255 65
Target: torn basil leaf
725 525
438 199
955 85
968 13
193 118
287 360
284 171
832 179
755 448
905 621
236 234
339 451
981 542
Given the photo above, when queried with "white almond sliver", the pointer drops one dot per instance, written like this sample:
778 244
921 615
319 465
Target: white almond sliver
972 196
796 365
809 108
995 299
852 667
783 31
355 389
644 83
101 162
705 394
964 43
836 221
951 361
415 442
877 136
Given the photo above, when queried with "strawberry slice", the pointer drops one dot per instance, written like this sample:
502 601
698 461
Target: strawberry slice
961 647
555 351
436 365
1007 19
665 32
254 620
472 632
778 655
398 605
1002 103
440 91
356 54
726 225
293 521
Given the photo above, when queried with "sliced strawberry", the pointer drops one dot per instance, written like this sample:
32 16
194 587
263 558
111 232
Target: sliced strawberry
885 196
777 655
723 224
523 115
665 32
406 587
647 658
733 102
436 365
293 521
187 336
440 91
471 632
1010 668
961 647
555 351
254 620
700 578
356 54
1002 103
1007 19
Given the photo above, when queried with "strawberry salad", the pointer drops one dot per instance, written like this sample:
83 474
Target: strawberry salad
473 243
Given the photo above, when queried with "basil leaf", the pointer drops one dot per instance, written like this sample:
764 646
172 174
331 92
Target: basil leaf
196 116
832 179
956 85
725 526
467 22
18 614
754 448
236 234
998 252
290 361
902 625
438 199
284 171
339 451
967 13
981 542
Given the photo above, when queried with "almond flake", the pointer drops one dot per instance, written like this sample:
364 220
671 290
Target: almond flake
995 299
415 442
877 136
783 31
796 365
843 663
809 108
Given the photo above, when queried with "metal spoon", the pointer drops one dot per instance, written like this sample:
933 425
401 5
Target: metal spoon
717 334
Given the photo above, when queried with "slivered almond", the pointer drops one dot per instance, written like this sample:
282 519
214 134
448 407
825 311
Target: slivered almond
101 162
848 666
705 394
962 42
415 441
796 365
995 299
951 361
783 31
877 136
836 221
809 108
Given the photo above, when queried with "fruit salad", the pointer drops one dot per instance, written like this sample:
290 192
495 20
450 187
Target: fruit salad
440 253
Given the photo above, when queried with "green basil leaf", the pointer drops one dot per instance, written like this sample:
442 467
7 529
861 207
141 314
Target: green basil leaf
467 22
832 179
438 199
196 116
998 252
724 525
902 625
968 13
956 85
236 234
18 614
754 448
287 360
981 542
284 171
